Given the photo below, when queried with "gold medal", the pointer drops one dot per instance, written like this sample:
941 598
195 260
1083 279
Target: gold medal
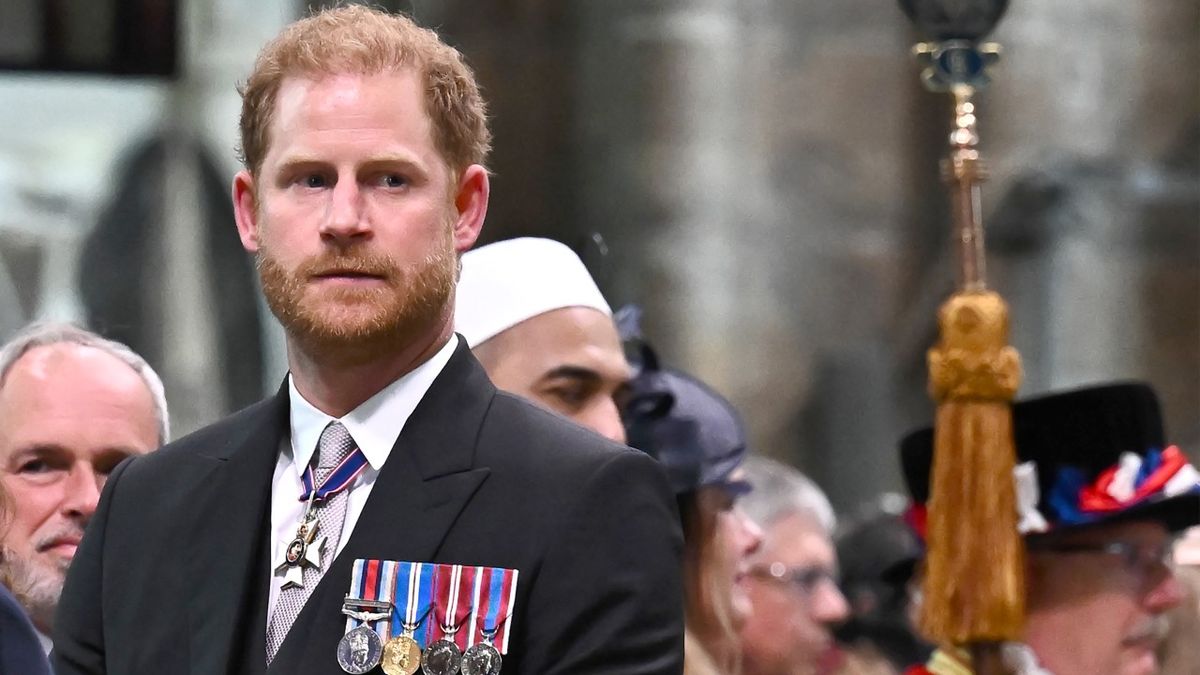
401 655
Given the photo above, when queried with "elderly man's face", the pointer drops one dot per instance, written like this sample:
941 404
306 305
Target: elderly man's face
68 415
568 360
796 601
1100 610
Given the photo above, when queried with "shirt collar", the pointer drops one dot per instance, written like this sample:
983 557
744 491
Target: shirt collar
377 422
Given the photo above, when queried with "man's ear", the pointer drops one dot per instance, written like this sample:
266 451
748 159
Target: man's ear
245 210
470 201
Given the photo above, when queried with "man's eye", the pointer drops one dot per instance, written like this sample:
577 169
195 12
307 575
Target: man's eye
572 397
392 180
313 181
34 466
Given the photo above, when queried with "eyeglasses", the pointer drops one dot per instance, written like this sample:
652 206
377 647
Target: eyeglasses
803 578
1138 559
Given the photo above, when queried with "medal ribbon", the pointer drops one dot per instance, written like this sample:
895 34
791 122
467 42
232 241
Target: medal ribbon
452 586
441 588
465 604
339 479
495 592
415 580
371 580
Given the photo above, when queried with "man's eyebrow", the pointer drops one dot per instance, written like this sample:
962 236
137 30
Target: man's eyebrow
39 448
304 158
392 161
573 373
118 450
42 449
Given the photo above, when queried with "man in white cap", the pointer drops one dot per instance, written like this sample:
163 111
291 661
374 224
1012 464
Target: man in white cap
535 319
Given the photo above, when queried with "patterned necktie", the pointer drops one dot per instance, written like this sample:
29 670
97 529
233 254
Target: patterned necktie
333 448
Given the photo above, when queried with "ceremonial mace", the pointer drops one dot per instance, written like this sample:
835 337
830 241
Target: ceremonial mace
975 567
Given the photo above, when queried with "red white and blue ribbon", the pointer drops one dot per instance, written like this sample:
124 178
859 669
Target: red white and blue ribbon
495 594
372 580
339 479
477 601
1074 501
1135 479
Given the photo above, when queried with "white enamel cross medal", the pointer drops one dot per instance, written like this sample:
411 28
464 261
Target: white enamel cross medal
303 551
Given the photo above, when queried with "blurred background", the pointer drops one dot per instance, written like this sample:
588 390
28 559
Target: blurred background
763 172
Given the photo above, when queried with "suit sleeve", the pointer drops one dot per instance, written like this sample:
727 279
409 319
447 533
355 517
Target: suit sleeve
78 623
609 598
20 650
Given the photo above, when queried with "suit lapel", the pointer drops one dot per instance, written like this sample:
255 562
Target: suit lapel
227 562
428 479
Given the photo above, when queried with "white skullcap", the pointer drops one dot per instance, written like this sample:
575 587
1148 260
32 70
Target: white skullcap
505 283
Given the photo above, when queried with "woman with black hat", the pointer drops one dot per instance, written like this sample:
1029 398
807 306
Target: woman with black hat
698 437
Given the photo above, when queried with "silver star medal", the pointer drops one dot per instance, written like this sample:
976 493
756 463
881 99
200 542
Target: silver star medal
303 551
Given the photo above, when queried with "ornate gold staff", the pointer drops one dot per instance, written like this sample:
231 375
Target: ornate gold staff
974 571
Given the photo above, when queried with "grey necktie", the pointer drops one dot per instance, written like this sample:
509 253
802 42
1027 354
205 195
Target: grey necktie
334 446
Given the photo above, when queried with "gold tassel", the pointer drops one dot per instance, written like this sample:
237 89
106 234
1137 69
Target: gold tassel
975 568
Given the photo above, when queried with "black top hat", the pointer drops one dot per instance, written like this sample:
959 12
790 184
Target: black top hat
680 421
1099 454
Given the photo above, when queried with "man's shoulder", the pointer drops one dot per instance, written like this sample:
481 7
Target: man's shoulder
546 439
216 441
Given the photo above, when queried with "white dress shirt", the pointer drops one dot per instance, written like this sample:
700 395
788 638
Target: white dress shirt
375 425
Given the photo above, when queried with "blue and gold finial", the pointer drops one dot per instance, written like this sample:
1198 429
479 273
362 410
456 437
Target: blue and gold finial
954 57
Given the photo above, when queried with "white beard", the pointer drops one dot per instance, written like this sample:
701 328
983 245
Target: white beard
37 589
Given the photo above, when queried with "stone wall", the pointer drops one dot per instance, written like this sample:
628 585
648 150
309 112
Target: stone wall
765 174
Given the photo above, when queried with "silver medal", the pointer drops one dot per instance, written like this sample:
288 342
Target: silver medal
359 651
442 658
303 551
481 659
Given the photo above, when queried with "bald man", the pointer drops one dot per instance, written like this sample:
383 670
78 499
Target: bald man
72 406
535 319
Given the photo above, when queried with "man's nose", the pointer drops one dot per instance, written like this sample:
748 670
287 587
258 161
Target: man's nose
82 492
752 534
605 419
829 606
345 219
1166 594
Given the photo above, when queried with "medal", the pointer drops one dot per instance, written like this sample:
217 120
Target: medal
402 654
359 650
496 590
444 656
481 659
304 550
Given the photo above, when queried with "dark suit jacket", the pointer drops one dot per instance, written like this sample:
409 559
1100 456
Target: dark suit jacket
20 650
172 575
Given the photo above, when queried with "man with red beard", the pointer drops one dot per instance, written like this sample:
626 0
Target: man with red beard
263 543
1100 496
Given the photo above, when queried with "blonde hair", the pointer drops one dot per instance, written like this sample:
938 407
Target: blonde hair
696 659
712 642
360 40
